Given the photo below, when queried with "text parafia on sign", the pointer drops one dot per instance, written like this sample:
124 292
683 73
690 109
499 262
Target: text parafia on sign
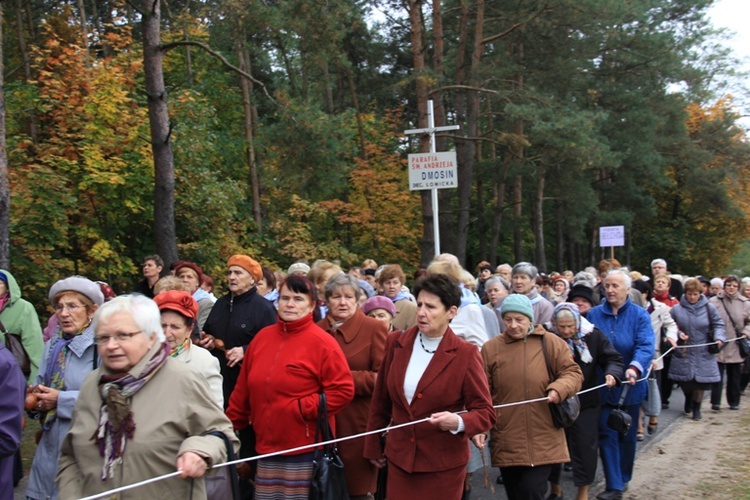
433 171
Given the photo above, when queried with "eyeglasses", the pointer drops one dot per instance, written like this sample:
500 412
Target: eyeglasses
72 308
119 338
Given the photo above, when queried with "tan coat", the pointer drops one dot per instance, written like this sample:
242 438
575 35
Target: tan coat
406 315
363 341
739 310
525 435
173 411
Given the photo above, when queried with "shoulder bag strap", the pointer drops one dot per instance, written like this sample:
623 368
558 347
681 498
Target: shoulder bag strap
2 328
546 359
231 457
624 394
737 331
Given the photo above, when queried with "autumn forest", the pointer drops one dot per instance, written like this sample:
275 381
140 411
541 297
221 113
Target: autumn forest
275 128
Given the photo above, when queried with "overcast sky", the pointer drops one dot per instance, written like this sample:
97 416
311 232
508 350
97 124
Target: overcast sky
735 15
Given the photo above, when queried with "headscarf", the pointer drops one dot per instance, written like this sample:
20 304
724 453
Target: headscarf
578 341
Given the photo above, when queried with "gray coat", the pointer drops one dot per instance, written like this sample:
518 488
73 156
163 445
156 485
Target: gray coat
79 362
696 363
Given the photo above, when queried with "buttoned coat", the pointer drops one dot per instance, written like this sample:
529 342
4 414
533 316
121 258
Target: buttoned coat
453 381
173 413
525 435
363 341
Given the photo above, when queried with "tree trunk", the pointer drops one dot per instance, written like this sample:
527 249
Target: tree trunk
417 30
246 86
26 65
164 225
4 177
84 32
445 196
328 87
517 212
518 152
539 253
559 238
357 112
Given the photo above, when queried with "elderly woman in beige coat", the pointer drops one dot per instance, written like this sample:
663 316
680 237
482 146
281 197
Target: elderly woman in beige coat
734 309
141 414
524 441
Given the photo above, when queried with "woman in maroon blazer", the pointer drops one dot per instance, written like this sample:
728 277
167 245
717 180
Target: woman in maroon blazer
363 341
428 372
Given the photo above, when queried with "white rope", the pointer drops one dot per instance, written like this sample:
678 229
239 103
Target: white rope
376 431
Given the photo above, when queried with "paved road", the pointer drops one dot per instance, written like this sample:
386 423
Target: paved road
667 423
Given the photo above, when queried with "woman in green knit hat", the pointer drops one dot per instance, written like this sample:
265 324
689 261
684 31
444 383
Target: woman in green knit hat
524 442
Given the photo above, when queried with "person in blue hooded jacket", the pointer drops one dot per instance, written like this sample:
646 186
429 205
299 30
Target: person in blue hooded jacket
628 328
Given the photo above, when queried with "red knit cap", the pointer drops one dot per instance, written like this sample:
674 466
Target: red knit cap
178 301
190 265
248 264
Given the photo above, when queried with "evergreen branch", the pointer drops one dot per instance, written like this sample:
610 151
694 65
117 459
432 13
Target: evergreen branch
516 26
169 46
462 87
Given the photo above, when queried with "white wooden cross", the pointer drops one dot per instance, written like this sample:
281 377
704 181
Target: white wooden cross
431 129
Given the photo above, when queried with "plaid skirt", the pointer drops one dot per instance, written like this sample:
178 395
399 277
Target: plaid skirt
280 478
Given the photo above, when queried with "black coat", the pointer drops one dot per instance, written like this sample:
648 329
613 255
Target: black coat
236 320
606 361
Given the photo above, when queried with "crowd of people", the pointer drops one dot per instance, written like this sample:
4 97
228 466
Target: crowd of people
170 377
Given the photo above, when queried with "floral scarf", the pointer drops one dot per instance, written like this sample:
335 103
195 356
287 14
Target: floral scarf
54 373
116 424
578 341
176 350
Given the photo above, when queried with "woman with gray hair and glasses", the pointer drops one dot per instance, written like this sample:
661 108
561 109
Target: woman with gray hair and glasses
141 413
363 341
68 357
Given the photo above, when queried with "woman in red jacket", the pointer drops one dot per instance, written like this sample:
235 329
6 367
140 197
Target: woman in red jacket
285 368
429 372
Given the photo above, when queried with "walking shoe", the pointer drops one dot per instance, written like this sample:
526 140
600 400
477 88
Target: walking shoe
735 407
696 411
716 407
610 495
688 406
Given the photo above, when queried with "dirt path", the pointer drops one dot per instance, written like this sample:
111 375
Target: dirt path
704 459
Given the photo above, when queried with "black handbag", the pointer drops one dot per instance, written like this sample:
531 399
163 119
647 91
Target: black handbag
14 344
619 420
744 344
565 412
328 481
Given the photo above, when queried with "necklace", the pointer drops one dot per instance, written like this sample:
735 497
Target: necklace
424 348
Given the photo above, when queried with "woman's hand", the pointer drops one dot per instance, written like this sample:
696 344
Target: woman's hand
684 336
46 398
206 341
554 397
190 464
379 463
479 440
234 356
610 380
445 421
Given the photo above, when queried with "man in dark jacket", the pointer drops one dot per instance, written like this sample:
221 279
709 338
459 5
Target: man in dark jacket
12 393
236 318
234 321
152 267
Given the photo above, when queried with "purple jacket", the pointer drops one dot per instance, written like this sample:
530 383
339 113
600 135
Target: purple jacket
12 395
